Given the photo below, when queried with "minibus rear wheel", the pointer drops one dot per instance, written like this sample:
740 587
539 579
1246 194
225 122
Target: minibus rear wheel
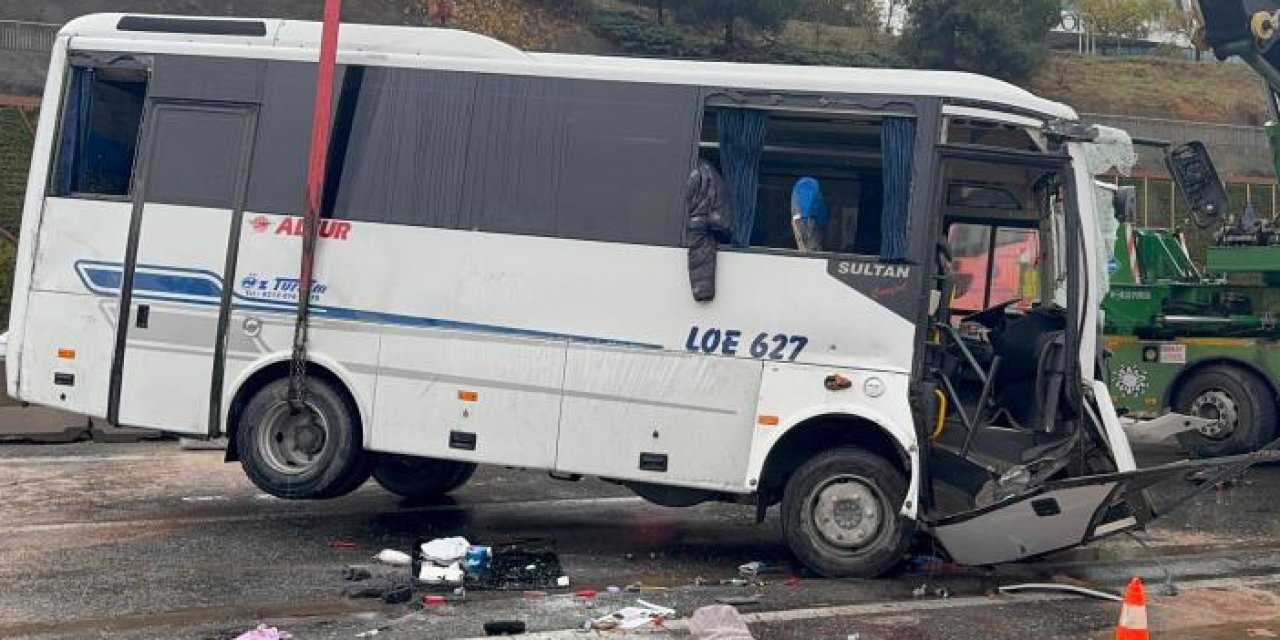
418 478
840 514
306 455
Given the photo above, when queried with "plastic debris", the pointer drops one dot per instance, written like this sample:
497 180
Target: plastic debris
629 618
562 581
752 569
718 622
432 574
614 589
393 558
585 593
476 561
263 632
445 551
1013 589
433 601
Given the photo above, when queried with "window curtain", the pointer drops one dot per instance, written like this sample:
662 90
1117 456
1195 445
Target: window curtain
741 145
74 129
898 143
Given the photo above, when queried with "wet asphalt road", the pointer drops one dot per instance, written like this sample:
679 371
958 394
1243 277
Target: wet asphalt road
149 541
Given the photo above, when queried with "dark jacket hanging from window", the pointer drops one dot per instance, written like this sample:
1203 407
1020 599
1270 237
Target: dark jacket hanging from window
741 145
710 220
898 141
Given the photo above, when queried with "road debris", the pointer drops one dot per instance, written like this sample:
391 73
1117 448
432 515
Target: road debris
630 618
398 595
342 543
357 573
263 632
1014 589
504 627
445 551
393 558
718 622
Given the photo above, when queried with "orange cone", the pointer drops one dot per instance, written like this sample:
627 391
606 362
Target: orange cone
1133 616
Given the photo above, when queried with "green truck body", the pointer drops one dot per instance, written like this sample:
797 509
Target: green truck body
1197 343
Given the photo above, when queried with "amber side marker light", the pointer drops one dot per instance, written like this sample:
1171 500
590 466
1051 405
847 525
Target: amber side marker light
67 354
468 396
767 421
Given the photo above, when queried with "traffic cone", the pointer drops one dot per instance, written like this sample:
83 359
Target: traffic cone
1133 615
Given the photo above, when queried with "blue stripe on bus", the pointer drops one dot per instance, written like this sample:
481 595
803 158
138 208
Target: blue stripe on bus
192 286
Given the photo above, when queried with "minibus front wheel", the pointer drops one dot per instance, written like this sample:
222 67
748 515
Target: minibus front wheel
310 454
840 514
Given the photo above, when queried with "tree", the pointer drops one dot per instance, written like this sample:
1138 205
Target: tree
766 15
1002 38
1183 24
892 10
840 13
1121 19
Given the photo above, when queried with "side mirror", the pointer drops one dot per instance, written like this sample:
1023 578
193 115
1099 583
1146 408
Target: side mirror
1198 181
1125 201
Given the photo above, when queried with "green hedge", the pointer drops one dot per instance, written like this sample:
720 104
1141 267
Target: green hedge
637 35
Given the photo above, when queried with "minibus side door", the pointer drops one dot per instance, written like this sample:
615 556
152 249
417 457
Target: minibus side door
173 293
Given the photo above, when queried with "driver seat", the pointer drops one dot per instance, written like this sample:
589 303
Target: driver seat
1025 347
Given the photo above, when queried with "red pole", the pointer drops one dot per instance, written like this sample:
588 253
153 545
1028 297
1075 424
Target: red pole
319 156
316 162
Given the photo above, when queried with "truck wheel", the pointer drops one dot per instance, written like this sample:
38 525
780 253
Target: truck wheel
414 477
318 454
1241 404
840 514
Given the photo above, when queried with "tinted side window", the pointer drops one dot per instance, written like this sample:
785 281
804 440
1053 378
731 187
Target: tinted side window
580 159
278 179
405 155
195 159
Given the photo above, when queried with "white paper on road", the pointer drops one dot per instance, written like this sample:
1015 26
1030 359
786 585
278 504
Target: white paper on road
445 551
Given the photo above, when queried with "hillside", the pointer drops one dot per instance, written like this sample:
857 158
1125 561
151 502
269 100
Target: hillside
1225 93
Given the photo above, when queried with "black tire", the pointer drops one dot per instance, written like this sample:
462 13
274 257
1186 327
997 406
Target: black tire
879 544
289 456
416 478
1218 392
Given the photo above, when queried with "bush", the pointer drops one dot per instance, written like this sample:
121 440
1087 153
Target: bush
786 54
637 36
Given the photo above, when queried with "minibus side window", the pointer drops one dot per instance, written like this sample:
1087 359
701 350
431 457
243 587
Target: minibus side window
101 117
814 182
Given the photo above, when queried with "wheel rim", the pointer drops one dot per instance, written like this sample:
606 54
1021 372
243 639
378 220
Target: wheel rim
292 444
847 512
1219 406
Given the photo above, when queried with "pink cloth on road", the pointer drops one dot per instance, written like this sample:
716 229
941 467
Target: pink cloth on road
263 632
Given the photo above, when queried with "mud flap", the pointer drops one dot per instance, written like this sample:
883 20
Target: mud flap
1068 513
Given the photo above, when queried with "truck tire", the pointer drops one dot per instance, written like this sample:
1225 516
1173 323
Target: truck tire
302 457
1242 403
840 514
416 478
